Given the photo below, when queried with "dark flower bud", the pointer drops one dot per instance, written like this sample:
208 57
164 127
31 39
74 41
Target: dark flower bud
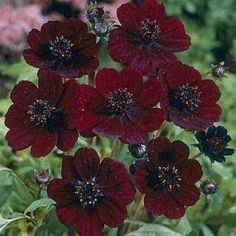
209 186
137 150
214 142
219 70
42 177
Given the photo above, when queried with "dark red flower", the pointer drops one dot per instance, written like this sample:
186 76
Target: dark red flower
121 106
167 178
190 101
91 194
43 117
65 47
146 38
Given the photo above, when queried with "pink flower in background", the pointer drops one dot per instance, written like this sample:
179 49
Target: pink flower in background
15 23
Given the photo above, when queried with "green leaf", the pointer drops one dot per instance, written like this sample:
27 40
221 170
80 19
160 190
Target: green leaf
44 202
5 222
154 230
183 226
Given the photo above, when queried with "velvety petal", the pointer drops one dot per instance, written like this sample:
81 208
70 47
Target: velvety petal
34 39
188 195
153 10
150 94
191 172
86 162
21 138
89 224
68 169
16 118
173 36
122 192
112 214
180 151
50 86
111 173
34 59
43 143
62 192
157 146
149 120
67 139
25 93
69 215
125 11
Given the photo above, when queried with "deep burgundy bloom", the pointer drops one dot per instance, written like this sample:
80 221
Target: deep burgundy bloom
91 194
214 143
121 106
190 101
65 47
167 178
43 117
146 38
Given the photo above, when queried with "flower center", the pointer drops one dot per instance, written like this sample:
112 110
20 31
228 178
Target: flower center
216 144
88 193
185 98
61 48
149 31
43 114
164 178
119 102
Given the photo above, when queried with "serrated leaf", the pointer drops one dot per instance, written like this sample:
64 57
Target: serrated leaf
39 203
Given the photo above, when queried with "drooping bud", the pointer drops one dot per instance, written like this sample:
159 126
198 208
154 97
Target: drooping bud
42 177
209 186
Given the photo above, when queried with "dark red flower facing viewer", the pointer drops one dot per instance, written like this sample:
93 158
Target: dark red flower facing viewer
167 178
146 39
121 106
190 101
65 47
43 117
91 194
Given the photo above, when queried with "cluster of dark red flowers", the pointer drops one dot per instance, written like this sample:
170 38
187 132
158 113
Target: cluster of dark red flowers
118 105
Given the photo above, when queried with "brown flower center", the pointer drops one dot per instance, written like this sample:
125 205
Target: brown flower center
150 30
41 113
88 193
185 97
216 144
119 102
61 48
164 178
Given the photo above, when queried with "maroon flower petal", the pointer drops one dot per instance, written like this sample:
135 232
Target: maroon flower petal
157 146
86 162
69 215
62 192
111 173
24 94
153 10
191 172
122 192
188 195
125 11
21 138
67 139
180 151
14 114
68 169
150 94
112 214
89 224
43 143
34 39
50 86
173 37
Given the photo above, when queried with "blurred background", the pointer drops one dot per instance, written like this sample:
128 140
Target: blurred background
211 25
